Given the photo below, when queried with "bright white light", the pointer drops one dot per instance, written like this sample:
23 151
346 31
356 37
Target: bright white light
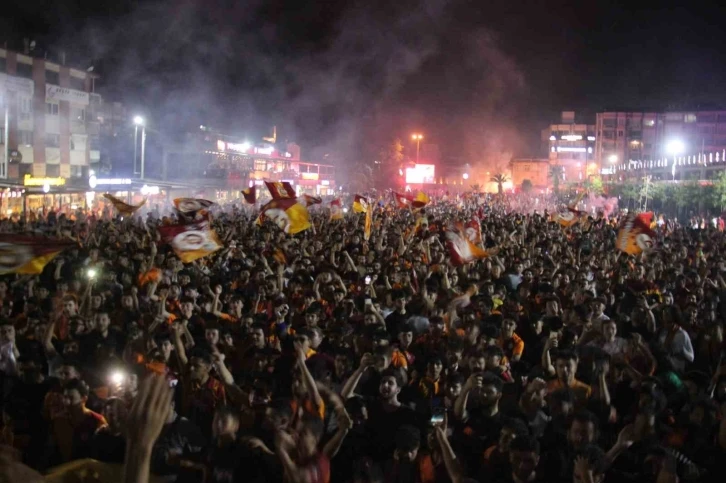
565 149
92 273
117 377
572 137
613 158
345 210
591 138
149 190
138 120
552 138
465 176
251 183
46 188
675 147
10 212
92 181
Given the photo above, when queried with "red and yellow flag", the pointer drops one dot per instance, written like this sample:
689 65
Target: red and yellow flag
192 240
635 235
403 201
472 230
250 195
189 206
369 223
312 200
360 204
420 200
28 254
289 215
123 208
336 209
280 190
461 250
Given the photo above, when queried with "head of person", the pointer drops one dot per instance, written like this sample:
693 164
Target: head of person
512 428
609 330
75 394
494 355
398 298
582 430
434 367
7 332
103 321
200 364
454 384
566 366
524 455
303 338
70 306
405 336
408 442
508 328
491 390
66 371
257 335
211 333
391 384
477 361
596 464
225 423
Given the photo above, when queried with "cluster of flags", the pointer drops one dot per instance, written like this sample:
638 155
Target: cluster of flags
285 210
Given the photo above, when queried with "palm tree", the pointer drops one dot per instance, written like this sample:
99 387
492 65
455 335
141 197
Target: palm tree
556 173
499 179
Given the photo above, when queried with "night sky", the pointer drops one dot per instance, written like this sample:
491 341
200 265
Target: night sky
478 78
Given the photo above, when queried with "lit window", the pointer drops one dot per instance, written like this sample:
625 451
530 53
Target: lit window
690 118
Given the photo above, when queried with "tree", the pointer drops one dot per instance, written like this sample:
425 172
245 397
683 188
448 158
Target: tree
719 190
391 160
527 186
594 185
499 179
556 173
476 188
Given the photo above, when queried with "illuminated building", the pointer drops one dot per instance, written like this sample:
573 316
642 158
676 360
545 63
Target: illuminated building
533 169
627 138
49 109
572 146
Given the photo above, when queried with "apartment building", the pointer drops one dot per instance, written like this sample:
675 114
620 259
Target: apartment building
49 124
571 144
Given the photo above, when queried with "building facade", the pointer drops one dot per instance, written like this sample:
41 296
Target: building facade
49 129
536 170
571 144
631 137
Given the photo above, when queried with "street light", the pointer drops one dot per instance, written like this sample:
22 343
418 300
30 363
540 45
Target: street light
613 158
417 138
675 147
465 175
139 121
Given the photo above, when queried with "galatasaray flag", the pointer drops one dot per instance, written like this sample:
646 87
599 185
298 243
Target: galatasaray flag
280 190
403 201
360 204
191 241
250 195
28 254
369 223
635 235
123 208
336 209
190 206
568 218
311 200
461 250
420 200
472 230
289 215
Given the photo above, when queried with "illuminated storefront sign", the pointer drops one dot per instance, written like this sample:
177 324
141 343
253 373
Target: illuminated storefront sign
309 175
561 149
93 181
31 181
572 137
237 147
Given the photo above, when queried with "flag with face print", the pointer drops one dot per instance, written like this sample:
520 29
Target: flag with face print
635 235
28 254
188 206
360 204
289 215
191 241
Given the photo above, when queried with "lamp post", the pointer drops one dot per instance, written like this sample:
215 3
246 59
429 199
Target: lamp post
675 147
417 138
139 121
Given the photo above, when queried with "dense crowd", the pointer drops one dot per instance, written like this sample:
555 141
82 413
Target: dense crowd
323 357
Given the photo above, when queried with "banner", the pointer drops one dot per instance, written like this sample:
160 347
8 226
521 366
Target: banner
188 206
191 241
289 215
250 195
312 200
28 254
123 208
280 190
635 235
336 209
58 93
360 204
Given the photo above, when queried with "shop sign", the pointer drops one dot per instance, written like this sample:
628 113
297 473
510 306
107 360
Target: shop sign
58 93
29 180
93 181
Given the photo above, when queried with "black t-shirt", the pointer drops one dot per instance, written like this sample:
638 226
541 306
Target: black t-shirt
108 447
382 424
